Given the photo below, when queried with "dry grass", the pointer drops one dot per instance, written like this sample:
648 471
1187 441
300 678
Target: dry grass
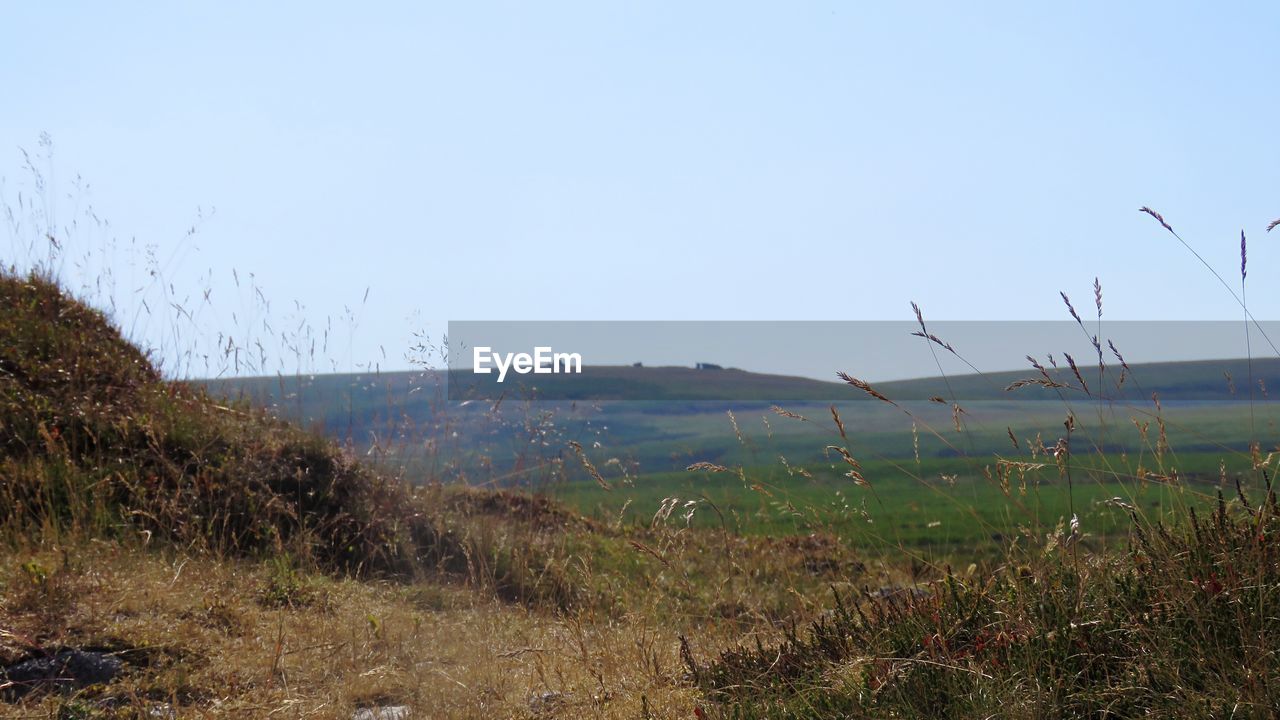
204 636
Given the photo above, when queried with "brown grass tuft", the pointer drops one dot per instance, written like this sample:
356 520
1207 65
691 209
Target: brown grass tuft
864 387
1159 218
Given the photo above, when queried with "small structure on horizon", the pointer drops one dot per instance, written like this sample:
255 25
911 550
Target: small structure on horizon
707 366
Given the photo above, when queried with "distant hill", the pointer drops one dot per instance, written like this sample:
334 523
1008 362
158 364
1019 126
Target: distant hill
679 384
1197 380
338 397
682 416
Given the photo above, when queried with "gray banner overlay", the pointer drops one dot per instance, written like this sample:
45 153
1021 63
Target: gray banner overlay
774 361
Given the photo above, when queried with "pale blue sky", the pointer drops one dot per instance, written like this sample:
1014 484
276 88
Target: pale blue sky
602 160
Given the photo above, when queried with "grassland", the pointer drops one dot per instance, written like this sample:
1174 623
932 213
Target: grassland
1097 556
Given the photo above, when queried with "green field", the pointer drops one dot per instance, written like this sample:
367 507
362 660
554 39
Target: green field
936 503
932 471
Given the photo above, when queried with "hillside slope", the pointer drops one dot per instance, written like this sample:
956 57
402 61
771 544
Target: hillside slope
94 440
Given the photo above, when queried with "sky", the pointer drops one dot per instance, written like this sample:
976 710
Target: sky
364 175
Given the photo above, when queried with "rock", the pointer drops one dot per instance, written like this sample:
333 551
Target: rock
383 712
64 670
546 702
900 593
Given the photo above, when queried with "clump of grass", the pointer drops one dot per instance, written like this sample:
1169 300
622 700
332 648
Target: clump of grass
45 591
286 586
1178 625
